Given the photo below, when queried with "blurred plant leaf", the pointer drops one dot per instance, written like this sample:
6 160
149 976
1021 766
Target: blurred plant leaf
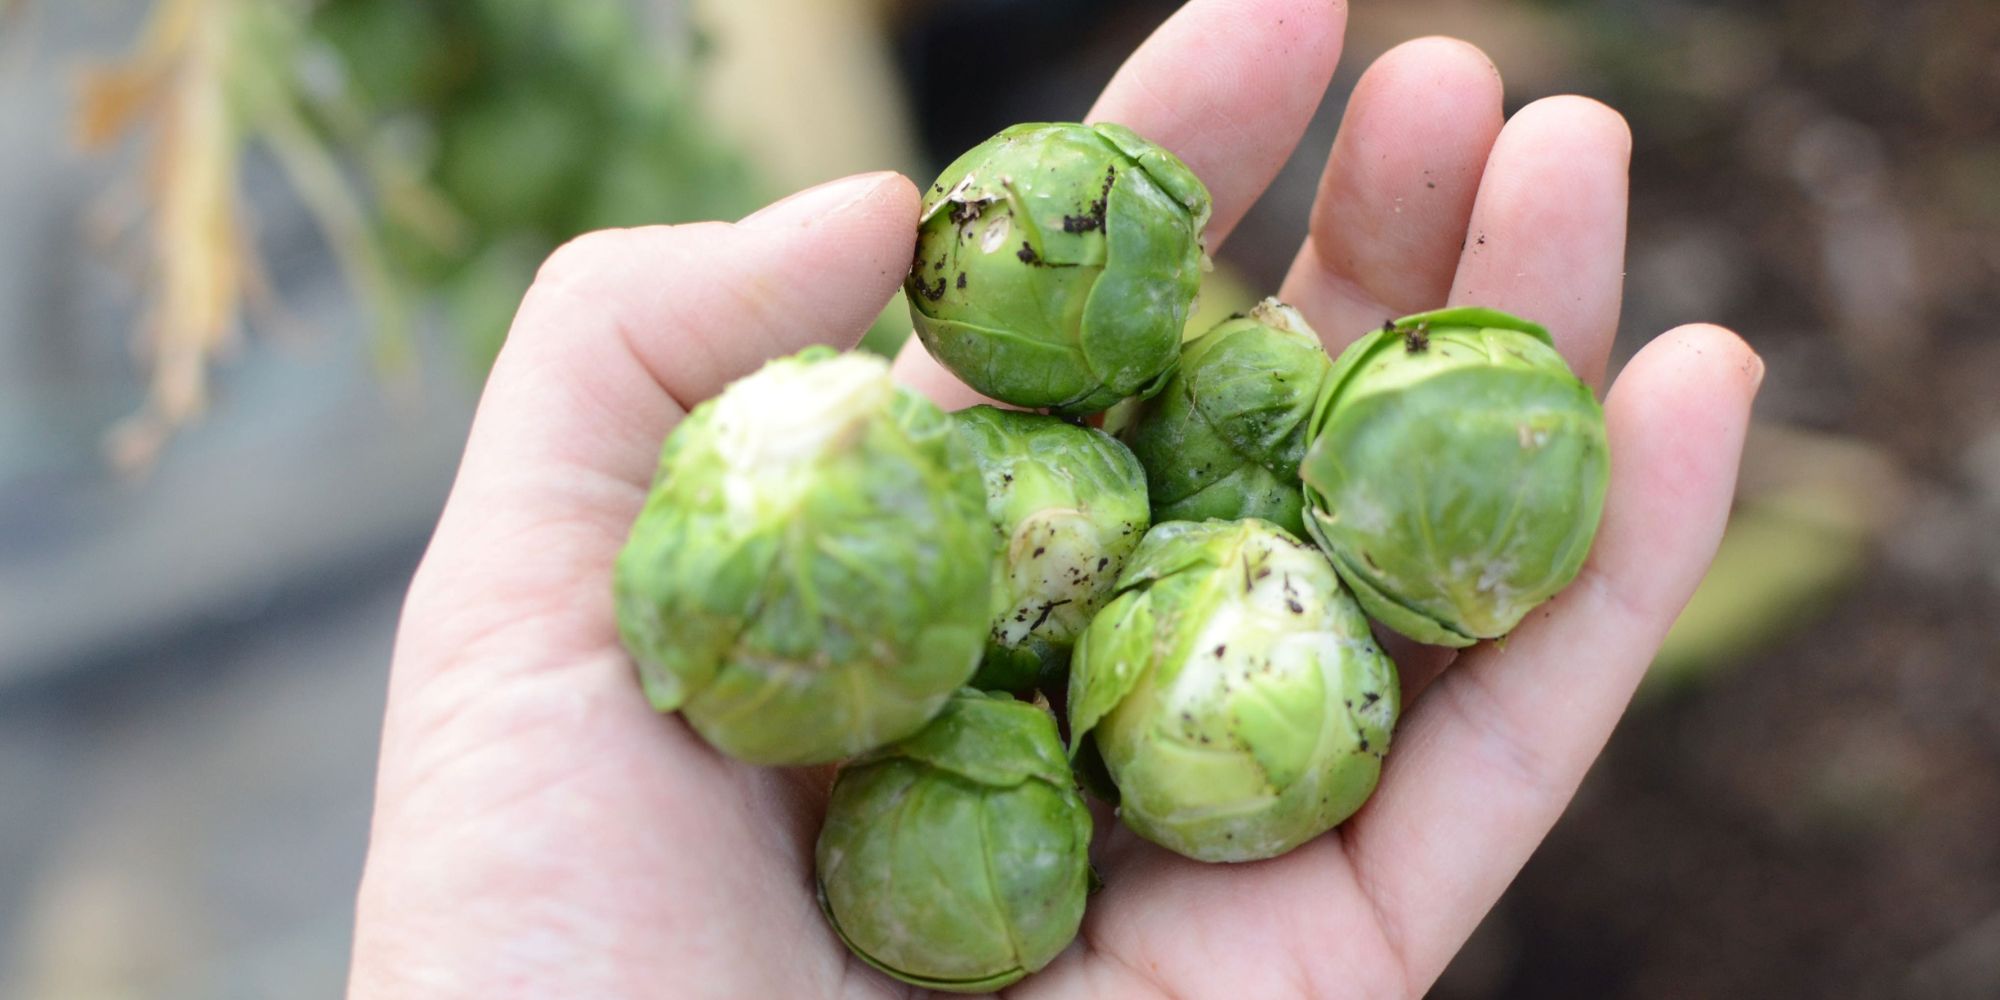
271 104
1224 293
1809 508
891 329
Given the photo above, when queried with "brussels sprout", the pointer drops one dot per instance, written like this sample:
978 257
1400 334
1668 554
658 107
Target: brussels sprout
1068 504
1456 473
812 574
1224 437
1056 264
958 859
1234 692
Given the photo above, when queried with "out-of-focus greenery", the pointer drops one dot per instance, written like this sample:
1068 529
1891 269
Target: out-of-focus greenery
1775 570
1809 507
533 120
442 150
891 329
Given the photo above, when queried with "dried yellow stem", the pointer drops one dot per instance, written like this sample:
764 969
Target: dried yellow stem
208 76
178 79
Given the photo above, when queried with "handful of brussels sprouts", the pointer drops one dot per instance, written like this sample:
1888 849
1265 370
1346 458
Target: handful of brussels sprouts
829 568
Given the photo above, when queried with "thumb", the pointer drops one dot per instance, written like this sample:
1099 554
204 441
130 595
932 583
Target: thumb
622 332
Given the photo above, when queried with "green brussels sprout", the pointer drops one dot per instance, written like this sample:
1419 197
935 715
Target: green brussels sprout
1225 435
1456 473
812 573
1056 265
1068 504
1234 692
958 859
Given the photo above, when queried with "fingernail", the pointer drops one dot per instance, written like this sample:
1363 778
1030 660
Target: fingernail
831 198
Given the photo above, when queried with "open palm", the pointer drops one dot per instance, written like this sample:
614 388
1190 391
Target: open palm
539 831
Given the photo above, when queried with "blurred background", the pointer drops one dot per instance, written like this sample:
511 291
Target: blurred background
256 255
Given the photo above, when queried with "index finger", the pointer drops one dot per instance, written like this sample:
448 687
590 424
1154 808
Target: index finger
1226 85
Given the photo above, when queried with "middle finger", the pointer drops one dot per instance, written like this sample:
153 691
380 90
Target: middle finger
1398 189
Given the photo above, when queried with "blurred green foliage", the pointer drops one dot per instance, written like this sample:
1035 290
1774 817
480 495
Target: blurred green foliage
532 121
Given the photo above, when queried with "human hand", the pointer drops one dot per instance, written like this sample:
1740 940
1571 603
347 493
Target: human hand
540 831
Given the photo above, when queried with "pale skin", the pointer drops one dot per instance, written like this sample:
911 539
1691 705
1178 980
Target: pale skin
539 831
